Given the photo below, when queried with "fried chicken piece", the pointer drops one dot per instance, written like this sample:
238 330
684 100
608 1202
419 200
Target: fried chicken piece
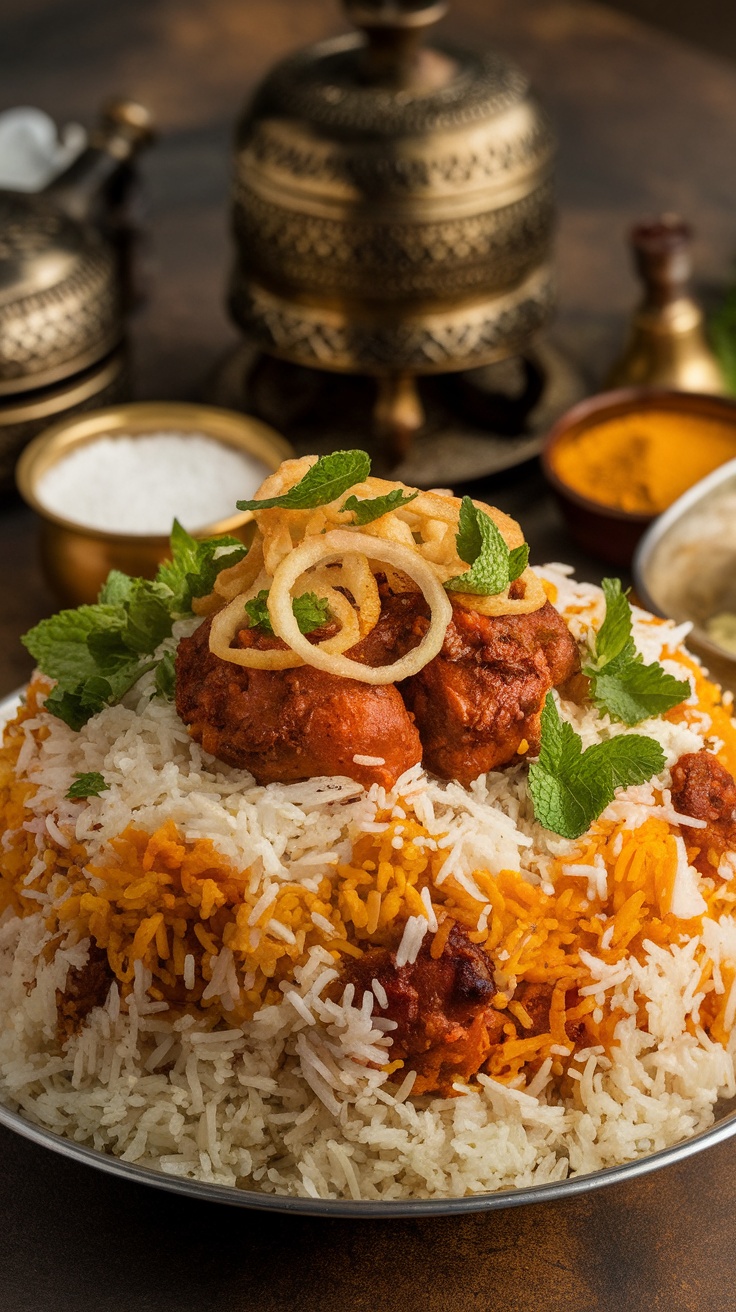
482 696
445 1025
86 987
704 789
286 725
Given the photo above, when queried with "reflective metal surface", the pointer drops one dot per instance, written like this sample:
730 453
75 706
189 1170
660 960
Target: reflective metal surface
724 1128
685 566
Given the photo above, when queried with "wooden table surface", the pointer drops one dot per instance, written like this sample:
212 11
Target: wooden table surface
646 124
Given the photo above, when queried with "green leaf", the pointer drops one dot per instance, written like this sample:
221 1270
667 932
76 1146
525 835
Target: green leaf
87 785
324 482
194 566
60 644
614 636
166 676
621 684
570 787
310 612
372 508
722 329
637 691
480 543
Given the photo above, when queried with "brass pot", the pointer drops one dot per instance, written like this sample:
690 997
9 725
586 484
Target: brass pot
393 206
61 292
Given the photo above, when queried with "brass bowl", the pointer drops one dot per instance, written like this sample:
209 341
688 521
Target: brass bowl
77 559
606 531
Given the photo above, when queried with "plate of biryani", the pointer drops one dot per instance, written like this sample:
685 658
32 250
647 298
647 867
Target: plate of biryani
367 870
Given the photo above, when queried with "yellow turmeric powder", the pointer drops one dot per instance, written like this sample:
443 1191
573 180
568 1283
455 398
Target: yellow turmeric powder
642 462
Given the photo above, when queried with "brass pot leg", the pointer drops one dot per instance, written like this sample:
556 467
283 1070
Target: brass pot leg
397 415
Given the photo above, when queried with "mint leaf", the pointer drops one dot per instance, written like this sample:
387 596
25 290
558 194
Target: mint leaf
257 611
310 612
194 566
637 691
621 684
372 508
570 787
492 566
166 676
87 785
324 482
614 636
59 645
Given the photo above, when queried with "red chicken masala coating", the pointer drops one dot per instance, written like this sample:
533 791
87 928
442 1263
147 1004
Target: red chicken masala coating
481 698
445 1008
704 789
286 725
472 707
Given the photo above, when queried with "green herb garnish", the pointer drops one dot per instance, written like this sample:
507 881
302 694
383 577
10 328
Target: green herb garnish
324 482
87 785
481 545
722 328
620 683
372 508
194 566
165 678
96 653
310 612
570 787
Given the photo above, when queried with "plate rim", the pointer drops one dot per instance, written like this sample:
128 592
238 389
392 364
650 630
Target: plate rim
345 1208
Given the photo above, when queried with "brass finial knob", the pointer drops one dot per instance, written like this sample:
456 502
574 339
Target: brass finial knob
125 126
394 29
395 13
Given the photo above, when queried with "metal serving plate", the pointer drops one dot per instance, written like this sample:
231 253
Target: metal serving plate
685 565
724 1128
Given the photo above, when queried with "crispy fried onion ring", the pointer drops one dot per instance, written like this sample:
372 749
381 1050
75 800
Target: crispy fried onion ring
227 624
337 544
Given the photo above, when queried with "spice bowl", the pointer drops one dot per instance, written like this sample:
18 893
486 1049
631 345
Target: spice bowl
693 428
76 555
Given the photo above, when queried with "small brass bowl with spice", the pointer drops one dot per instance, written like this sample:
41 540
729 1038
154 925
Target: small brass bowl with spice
108 484
617 460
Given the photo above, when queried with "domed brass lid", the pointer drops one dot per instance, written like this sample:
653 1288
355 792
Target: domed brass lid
393 205
60 300
59 303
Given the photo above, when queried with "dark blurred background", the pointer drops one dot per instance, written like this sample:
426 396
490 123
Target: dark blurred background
708 23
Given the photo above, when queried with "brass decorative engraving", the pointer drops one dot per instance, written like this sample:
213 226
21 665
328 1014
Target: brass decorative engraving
393 204
59 299
60 287
343 205
461 338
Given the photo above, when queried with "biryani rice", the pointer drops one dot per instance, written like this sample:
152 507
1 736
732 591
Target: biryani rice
226 909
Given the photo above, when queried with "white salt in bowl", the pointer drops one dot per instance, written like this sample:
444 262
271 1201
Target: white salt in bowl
107 485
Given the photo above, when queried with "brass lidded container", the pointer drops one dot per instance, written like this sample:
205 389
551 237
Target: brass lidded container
393 205
61 289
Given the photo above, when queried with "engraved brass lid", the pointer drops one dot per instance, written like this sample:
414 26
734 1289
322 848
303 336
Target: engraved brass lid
393 206
60 299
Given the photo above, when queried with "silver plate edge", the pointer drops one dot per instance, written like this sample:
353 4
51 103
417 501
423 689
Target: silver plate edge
723 1129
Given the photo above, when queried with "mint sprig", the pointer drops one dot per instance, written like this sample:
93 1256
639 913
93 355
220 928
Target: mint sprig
621 684
324 482
570 787
480 543
87 785
96 653
364 512
194 566
310 612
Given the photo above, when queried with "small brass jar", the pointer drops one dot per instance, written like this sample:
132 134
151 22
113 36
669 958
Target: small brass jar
393 206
